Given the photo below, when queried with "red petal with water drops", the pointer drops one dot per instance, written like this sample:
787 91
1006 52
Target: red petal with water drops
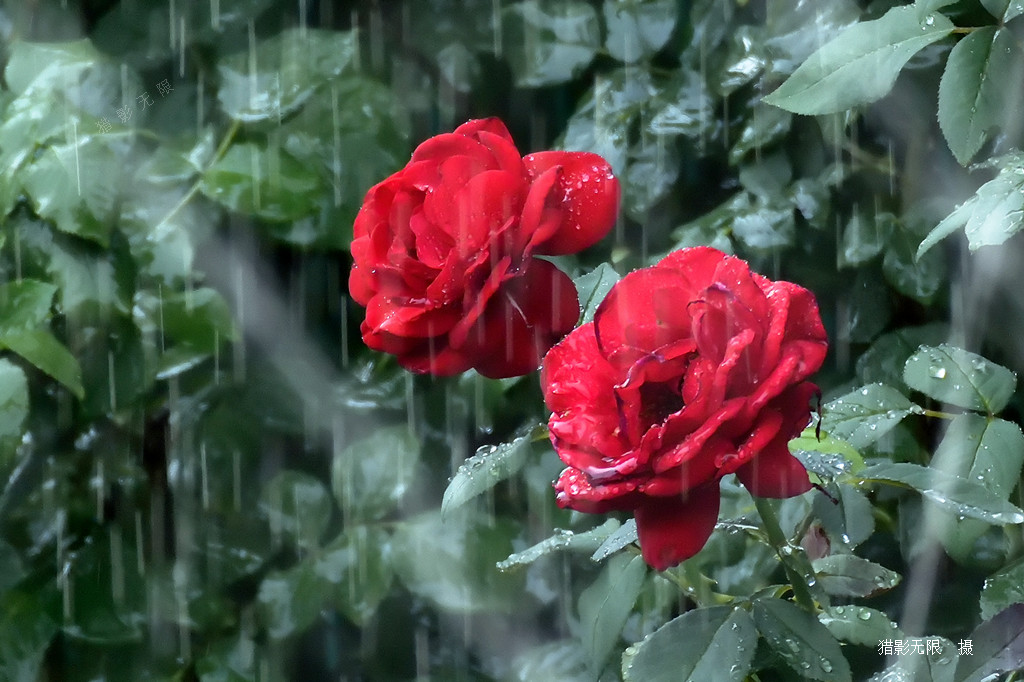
590 198
673 529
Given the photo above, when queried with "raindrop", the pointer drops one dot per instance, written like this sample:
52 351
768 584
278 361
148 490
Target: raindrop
937 372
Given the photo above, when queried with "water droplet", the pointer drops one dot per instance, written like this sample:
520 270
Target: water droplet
937 372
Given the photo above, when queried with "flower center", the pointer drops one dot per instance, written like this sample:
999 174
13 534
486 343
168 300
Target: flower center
658 400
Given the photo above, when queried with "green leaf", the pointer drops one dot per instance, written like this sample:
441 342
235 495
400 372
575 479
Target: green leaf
851 521
851 576
77 187
297 505
990 217
935 666
46 65
561 540
50 356
451 563
865 236
861 64
825 456
356 568
653 168
266 182
549 43
764 127
487 467
638 28
769 225
26 631
884 360
624 536
1003 589
973 98
593 287
997 647
24 305
714 644
800 640
958 495
863 416
233 660
277 78
918 278
606 604
13 411
1004 10
199 319
989 451
859 624
370 476
560 661
959 377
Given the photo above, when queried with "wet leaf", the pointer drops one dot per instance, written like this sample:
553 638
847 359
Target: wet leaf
851 576
233 660
997 647
685 107
13 411
298 505
653 168
562 661
638 28
800 640
490 465
850 520
370 476
1003 9
624 536
1002 589
356 570
988 451
713 644
860 65
25 633
859 625
972 101
918 278
605 605
278 77
452 563
957 495
959 377
77 187
561 540
870 305
549 43
769 225
24 305
863 416
937 665
266 182
865 236
990 217
50 356
764 127
593 287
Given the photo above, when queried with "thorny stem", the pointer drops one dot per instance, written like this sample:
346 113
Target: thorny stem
217 155
797 580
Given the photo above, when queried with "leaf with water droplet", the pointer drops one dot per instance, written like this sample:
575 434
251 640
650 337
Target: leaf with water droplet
851 576
958 495
859 65
695 647
1003 589
863 416
606 604
883 361
956 376
859 624
561 540
988 451
972 99
298 505
851 521
917 277
13 412
619 539
490 465
800 640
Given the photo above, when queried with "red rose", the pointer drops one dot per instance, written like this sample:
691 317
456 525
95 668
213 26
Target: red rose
692 369
444 251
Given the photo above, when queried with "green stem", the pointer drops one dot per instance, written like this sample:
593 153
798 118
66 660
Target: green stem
217 156
783 548
939 415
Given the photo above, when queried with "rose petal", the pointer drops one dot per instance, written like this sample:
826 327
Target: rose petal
774 472
492 125
523 320
575 491
672 530
589 194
